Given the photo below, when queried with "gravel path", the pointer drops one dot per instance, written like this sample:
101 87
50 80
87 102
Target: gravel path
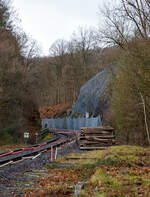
14 179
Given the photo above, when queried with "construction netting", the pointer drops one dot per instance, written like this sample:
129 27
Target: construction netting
71 123
91 97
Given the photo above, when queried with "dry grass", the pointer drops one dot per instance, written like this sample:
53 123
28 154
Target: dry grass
8 147
121 171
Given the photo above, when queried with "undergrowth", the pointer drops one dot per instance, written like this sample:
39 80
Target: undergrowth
121 171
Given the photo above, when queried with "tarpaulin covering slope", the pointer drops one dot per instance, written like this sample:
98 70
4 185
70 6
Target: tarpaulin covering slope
71 123
91 96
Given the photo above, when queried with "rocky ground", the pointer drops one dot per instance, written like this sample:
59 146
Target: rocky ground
119 171
15 179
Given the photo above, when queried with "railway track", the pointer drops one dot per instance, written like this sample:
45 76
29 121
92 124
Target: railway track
60 138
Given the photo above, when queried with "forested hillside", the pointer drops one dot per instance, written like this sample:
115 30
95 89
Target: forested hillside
70 64
29 81
17 81
127 25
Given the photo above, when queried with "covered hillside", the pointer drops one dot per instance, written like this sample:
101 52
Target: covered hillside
92 97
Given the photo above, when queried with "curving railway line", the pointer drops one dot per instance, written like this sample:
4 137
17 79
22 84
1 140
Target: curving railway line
60 138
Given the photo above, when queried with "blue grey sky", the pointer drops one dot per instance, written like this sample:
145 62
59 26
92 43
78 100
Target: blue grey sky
49 20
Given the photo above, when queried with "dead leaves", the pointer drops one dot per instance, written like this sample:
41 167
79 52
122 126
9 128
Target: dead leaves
115 173
61 182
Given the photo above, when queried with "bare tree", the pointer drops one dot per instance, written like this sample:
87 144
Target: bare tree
5 14
58 52
127 25
84 42
129 19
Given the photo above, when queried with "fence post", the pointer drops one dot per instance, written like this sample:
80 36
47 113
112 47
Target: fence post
51 153
56 153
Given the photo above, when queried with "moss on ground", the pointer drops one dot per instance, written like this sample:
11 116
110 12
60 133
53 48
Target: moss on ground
47 137
119 171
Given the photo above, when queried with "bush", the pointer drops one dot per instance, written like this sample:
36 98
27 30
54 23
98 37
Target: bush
132 81
8 136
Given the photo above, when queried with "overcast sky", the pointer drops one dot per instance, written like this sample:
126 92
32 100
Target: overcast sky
49 20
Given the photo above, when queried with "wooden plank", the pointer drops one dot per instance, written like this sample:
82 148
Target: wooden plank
96 132
99 136
96 142
79 158
90 142
97 139
93 148
101 128
96 145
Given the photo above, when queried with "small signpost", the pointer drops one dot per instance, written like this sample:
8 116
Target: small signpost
26 137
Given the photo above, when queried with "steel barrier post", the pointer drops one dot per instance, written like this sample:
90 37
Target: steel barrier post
51 153
56 153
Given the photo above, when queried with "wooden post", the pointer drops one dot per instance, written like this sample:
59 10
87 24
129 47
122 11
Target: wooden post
145 117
